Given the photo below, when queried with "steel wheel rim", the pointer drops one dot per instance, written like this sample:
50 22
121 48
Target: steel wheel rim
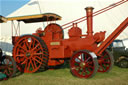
7 66
29 54
104 62
84 69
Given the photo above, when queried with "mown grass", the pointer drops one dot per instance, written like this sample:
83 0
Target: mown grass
117 76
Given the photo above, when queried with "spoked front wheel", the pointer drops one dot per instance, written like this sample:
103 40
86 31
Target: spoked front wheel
83 64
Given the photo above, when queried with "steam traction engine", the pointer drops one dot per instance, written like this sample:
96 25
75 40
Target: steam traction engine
48 47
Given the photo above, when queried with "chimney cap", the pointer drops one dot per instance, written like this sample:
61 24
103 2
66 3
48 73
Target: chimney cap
89 8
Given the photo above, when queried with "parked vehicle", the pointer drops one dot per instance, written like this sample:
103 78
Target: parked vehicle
120 53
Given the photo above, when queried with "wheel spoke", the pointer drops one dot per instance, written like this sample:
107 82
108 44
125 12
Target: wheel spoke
83 71
38 54
20 55
25 61
9 72
26 64
29 63
6 72
106 65
33 43
34 63
90 70
104 55
21 51
37 61
10 65
35 47
89 63
22 48
107 58
10 68
79 59
17 59
39 58
106 62
38 49
87 59
75 67
79 69
90 66
77 62
27 44
82 56
102 67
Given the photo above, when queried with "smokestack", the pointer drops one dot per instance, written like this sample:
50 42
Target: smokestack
89 14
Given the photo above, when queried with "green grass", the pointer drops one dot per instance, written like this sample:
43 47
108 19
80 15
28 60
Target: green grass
117 76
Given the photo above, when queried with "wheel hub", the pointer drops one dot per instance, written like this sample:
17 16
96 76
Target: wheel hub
28 54
124 63
82 64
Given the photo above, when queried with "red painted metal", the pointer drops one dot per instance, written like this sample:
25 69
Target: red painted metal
105 62
58 47
83 65
48 47
75 32
29 54
56 30
89 12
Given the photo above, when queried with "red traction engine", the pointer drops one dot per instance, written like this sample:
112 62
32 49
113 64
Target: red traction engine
49 48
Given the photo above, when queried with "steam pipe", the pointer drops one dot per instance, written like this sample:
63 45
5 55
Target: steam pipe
89 14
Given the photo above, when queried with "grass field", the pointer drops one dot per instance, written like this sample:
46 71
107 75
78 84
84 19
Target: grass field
117 76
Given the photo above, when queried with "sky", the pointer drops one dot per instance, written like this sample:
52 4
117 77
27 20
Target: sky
9 6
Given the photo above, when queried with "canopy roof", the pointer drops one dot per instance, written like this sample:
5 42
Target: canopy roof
32 18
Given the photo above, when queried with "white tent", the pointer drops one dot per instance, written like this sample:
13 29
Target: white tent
71 10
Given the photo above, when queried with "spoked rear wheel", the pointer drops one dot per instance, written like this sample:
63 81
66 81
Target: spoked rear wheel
83 64
8 66
31 54
105 62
